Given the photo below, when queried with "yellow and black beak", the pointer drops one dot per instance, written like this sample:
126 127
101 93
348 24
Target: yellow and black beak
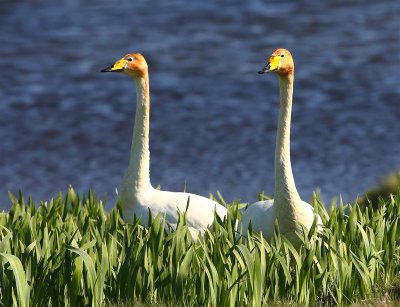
273 64
118 66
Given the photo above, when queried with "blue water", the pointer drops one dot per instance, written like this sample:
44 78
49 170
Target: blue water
213 119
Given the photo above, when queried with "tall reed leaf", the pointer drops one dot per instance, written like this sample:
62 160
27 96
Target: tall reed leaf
20 279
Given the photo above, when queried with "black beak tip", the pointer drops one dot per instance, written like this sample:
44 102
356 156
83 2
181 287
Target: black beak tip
264 70
107 69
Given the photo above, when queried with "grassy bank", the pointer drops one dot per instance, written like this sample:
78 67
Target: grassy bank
70 252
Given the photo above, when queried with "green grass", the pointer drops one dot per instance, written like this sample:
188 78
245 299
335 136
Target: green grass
70 252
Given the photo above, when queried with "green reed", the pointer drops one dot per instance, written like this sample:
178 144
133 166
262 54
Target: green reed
69 251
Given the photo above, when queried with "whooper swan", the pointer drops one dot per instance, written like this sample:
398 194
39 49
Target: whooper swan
137 194
287 208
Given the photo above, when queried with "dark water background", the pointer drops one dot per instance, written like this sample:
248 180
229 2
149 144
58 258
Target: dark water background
213 119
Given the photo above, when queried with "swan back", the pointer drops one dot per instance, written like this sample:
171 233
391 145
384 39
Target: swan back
261 215
199 214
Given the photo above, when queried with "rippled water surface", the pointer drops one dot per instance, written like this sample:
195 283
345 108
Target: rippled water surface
213 118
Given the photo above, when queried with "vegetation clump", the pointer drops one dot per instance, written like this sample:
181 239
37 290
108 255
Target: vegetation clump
388 186
70 252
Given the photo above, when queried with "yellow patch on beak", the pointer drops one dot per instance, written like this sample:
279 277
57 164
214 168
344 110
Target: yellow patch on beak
119 65
273 63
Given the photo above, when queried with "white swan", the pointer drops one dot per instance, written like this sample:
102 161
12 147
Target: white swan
137 194
287 208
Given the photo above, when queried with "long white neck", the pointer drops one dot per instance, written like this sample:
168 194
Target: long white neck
286 195
139 162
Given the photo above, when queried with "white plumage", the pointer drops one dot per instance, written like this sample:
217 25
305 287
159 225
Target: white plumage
137 194
287 208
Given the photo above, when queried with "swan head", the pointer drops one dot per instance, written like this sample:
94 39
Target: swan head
132 64
281 62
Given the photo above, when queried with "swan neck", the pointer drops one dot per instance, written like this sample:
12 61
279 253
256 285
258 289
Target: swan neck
286 195
139 162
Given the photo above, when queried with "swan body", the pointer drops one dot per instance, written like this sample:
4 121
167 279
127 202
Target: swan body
137 194
287 208
262 216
